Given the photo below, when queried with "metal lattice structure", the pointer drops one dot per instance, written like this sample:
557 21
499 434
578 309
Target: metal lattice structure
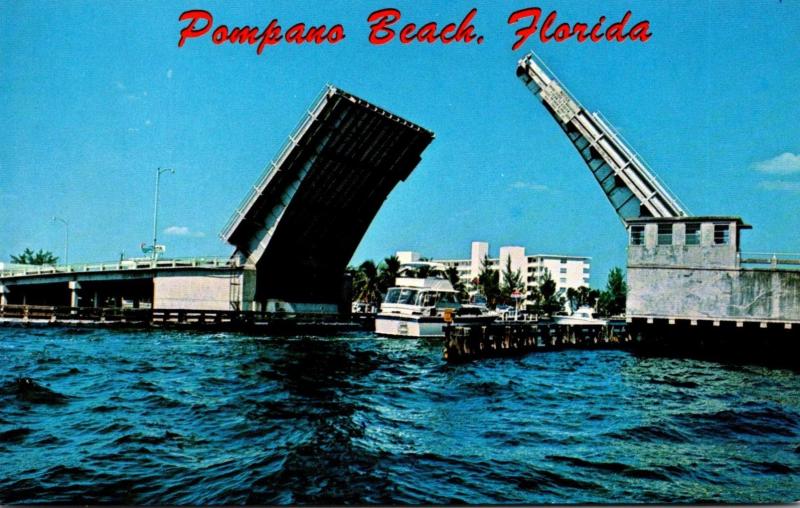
630 185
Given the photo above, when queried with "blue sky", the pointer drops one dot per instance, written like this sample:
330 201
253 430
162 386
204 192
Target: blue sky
96 95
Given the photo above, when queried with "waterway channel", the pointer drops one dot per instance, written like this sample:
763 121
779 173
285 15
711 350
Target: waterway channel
137 417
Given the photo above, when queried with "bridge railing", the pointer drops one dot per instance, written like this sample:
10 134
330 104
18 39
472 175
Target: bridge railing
612 131
634 154
772 259
270 168
125 264
146 316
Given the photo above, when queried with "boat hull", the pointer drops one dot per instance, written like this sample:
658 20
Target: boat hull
392 325
409 326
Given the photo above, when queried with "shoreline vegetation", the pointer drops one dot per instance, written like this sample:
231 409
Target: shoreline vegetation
371 281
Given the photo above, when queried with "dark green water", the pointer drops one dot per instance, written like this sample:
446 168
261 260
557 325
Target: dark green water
186 418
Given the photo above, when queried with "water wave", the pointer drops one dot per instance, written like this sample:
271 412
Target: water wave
167 418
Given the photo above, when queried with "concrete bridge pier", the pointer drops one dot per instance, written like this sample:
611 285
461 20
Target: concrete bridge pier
74 286
3 292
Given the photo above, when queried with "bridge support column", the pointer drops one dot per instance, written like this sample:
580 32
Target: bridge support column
4 294
74 286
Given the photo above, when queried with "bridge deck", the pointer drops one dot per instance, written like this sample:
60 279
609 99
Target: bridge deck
633 189
303 219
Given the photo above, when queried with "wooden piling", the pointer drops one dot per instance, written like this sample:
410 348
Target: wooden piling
504 339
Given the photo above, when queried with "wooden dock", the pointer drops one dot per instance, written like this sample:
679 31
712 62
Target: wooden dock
515 338
211 320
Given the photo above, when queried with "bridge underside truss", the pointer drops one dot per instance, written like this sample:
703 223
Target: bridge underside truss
302 221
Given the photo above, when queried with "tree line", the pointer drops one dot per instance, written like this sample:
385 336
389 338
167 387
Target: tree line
371 281
29 257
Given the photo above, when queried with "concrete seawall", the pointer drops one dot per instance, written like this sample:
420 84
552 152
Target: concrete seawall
736 294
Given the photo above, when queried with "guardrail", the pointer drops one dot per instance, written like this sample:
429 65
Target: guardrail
266 175
127 264
773 259
634 154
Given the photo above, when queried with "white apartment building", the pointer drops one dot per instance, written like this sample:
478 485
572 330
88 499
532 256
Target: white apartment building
407 256
566 271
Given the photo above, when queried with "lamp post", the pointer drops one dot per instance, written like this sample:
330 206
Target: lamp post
66 237
159 171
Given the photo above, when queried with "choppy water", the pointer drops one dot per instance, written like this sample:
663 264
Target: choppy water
187 418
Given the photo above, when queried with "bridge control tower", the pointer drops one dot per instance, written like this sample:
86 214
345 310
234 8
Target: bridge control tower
633 189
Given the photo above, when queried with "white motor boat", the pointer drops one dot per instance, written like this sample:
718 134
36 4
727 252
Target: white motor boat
584 316
422 303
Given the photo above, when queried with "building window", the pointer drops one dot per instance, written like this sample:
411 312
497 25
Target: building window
665 234
692 233
637 234
563 270
563 261
722 234
562 280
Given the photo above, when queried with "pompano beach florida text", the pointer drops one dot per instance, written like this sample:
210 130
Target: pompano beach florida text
388 25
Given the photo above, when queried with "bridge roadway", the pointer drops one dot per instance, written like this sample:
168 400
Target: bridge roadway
131 282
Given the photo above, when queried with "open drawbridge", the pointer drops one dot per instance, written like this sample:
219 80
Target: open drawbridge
303 219
632 188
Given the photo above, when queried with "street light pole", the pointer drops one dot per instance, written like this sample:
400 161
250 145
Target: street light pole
159 171
66 237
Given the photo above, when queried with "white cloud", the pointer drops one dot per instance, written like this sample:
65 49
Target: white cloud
169 73
780 185
529 186
183 231
782 164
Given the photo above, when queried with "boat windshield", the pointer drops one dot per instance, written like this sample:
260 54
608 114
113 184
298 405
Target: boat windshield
407 296
437 299
392 295
447 300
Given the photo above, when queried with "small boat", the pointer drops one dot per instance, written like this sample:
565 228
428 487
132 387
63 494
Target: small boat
423 302
584 316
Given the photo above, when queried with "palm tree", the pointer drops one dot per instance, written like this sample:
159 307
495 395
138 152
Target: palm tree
28 257
455 280
423 271
534 296
489 282
551 301
572 298
387 272
612 301
366 285
512 281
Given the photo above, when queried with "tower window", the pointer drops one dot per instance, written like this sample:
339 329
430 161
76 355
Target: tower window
692 233
637 234
665 234
722 234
